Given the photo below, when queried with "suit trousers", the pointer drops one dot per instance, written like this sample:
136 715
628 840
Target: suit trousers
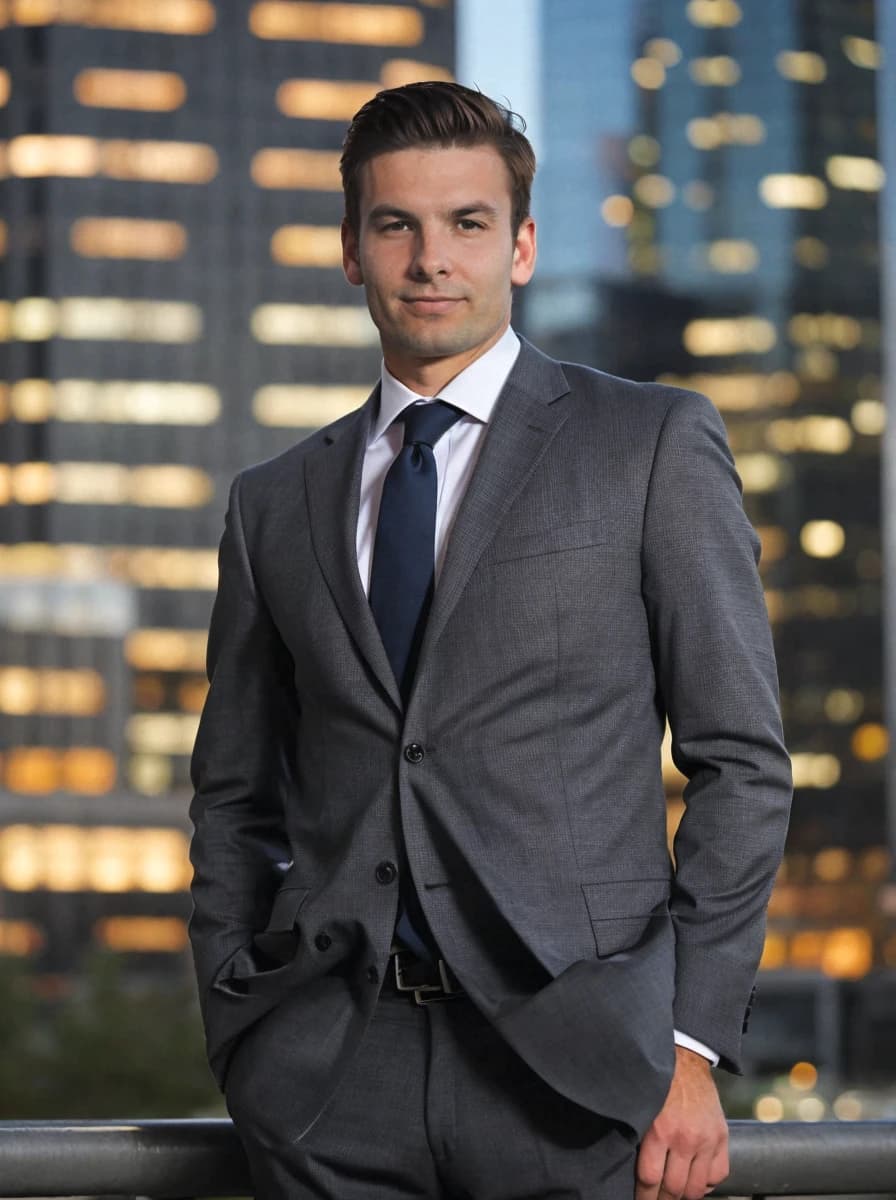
435 1105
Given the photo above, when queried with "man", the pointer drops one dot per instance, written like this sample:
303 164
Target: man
441 947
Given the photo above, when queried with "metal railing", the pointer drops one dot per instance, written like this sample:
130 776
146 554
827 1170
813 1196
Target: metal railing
167 1160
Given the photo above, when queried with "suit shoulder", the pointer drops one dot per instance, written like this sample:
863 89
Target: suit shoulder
649 401
272 473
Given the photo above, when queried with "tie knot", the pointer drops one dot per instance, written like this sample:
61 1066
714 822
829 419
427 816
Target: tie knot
427 422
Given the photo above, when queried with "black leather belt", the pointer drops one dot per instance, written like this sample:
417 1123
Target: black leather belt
425 981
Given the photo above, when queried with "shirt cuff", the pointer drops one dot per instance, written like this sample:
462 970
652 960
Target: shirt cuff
689 1043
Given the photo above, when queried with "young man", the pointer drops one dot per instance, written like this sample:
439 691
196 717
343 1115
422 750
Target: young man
441 948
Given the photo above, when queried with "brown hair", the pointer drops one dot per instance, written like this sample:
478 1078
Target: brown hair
436 113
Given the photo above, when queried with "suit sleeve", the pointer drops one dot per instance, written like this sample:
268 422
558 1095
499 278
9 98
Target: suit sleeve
242 766
717 680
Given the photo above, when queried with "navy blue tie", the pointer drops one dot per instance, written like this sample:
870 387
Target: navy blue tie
401 587
401 579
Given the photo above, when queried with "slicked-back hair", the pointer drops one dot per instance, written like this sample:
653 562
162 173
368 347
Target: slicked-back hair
436 113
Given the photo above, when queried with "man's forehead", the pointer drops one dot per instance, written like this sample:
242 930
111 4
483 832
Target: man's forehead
453 170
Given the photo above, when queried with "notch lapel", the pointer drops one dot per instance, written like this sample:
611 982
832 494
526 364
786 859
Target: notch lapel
524 422
333 488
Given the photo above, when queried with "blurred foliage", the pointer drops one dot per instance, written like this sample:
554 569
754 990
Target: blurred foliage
113 1046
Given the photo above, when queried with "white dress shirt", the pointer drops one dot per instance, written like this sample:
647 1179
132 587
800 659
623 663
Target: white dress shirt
474 391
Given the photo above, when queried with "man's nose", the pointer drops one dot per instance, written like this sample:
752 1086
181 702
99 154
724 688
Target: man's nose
431 255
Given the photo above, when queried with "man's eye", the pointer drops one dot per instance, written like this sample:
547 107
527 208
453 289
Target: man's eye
395 226
467 223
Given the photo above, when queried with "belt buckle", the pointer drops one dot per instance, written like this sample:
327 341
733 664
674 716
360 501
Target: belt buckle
426 993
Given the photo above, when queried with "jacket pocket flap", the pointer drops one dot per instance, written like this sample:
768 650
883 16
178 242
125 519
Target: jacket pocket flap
622 911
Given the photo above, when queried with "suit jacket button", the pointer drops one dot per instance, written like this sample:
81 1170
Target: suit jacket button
373 975
323 941
386 872
414 752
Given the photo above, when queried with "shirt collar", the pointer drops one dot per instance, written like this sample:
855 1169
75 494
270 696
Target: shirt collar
475 390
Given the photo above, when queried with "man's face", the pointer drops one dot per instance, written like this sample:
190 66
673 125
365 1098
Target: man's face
436 254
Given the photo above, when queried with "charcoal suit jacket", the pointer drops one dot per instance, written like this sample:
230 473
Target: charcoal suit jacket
600 579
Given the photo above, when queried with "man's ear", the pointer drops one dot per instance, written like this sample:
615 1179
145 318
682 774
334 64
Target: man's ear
351 263
524 253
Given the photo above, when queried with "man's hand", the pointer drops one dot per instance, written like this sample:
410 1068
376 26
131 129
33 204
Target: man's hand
685 1151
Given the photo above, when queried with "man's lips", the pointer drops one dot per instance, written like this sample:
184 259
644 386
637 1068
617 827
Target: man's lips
431 304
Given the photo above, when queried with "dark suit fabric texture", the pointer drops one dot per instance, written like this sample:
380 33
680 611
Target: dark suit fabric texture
600 577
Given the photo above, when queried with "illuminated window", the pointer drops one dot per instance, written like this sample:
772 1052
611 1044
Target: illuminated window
664 50
307 246
617 211
359 24
815 434
815 770
323 99
870 742
150 774
314 170
117 401
843 705
162 486
729 335
166 649
774 541
305 406
847 954
793 191
129 320
162 733
128 237
862 52
802 66
146 91
146 566
313 325
656 191
66 858
869 417
397 72
708 133
833 329
33 770
648 73
713 13
145 16
25 690
822 539
166 935
158 162
40 154
191 695
732 256
833 865
20 939
5 87
717 71
857 174
762 472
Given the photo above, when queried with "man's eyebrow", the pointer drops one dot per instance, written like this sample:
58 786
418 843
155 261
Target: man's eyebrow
389 210
480 206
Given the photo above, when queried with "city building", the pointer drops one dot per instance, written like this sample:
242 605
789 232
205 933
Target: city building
173 309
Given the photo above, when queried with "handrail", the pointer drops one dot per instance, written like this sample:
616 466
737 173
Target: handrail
173 1159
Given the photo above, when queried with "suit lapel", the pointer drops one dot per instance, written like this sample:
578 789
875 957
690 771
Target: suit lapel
333 486
523 424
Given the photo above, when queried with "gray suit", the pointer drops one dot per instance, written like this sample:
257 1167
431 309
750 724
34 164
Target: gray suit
601 576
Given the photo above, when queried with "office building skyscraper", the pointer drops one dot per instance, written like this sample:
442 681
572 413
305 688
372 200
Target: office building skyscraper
173 309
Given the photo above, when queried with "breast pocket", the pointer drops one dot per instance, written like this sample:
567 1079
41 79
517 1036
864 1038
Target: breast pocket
623 911
576 536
